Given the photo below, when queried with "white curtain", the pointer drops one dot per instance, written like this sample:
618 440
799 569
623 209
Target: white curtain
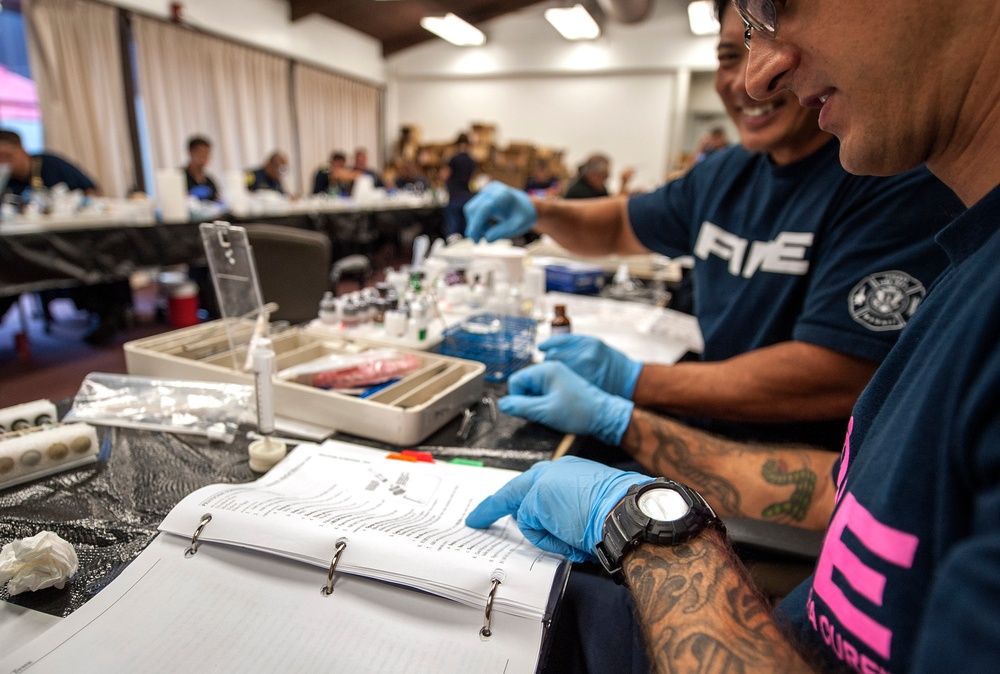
334 113
75 56
193 84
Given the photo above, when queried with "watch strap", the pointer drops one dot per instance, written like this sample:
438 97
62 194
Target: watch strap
626 525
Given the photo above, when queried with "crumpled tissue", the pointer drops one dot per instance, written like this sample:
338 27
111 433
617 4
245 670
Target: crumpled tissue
40 561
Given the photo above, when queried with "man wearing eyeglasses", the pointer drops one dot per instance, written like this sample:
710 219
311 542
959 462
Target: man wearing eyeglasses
909 575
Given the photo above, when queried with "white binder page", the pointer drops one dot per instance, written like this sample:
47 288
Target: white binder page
403 522
231 610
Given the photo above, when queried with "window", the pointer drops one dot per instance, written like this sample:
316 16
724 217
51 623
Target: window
18 97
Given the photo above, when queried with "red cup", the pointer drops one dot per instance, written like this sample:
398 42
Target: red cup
182 307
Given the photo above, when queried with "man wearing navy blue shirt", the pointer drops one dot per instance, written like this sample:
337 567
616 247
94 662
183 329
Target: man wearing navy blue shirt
334 179
108 302
39 170
908 579
199 184
457 175
788 275
268 176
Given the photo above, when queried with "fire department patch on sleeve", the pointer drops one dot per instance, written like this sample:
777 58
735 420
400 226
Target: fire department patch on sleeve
886 300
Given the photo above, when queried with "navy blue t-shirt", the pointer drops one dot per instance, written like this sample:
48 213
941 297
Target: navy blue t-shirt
54 170
462 167
205 190
909 575
803 252
259 180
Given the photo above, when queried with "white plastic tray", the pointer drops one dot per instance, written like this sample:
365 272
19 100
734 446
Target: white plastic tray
402 414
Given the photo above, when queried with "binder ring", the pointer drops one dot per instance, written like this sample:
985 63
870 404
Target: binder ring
496 578
327 589
193 548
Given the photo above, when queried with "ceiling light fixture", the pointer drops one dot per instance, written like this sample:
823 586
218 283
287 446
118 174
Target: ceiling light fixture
573 23
701 17
455 30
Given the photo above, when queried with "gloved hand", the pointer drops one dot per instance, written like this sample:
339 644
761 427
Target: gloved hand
499 212
596 362
560 506
552 394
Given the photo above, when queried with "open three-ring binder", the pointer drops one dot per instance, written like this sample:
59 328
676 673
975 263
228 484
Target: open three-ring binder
392 580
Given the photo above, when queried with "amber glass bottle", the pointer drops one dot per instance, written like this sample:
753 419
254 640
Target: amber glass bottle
560 324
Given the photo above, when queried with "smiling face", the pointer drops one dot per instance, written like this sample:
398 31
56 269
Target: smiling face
778 126
891 79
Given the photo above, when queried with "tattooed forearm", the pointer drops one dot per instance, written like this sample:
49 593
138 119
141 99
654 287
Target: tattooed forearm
700 613
668 448
781 483
797 505
672 455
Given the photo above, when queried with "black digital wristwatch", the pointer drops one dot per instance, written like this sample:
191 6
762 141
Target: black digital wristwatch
662 512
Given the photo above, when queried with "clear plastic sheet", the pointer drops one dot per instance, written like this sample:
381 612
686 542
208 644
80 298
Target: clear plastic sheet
202 408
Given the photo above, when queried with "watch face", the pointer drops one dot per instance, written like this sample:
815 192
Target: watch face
663 504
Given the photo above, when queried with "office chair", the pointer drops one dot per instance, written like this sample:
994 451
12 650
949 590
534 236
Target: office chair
292 265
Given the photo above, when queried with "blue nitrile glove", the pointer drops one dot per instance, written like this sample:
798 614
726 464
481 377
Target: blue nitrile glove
596 362
560 506
499 212
552 394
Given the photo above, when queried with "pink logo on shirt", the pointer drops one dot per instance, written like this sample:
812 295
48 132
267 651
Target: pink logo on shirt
892 545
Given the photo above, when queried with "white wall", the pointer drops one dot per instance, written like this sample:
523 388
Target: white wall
265 23
629 89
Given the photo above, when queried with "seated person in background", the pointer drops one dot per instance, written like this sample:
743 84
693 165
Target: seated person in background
109 302
409 177
804 274
268 176
541 182
199 183
713 141
334 179
907 579
361 167
592 178
39 170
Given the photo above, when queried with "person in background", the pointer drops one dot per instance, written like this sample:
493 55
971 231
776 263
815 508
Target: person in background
713 141
907 577
457 175
361 167
592 178
107 303
44 170
268 176
334 179
409 177
199 184
804 275
541 182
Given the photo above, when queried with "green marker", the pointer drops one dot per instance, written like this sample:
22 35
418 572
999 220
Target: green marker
466 462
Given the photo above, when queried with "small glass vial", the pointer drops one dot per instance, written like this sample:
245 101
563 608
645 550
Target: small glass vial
349 311
328 309
560 324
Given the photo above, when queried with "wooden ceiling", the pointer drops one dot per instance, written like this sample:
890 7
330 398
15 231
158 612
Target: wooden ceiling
396 23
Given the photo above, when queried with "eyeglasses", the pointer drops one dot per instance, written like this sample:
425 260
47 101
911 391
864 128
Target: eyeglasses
758 15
